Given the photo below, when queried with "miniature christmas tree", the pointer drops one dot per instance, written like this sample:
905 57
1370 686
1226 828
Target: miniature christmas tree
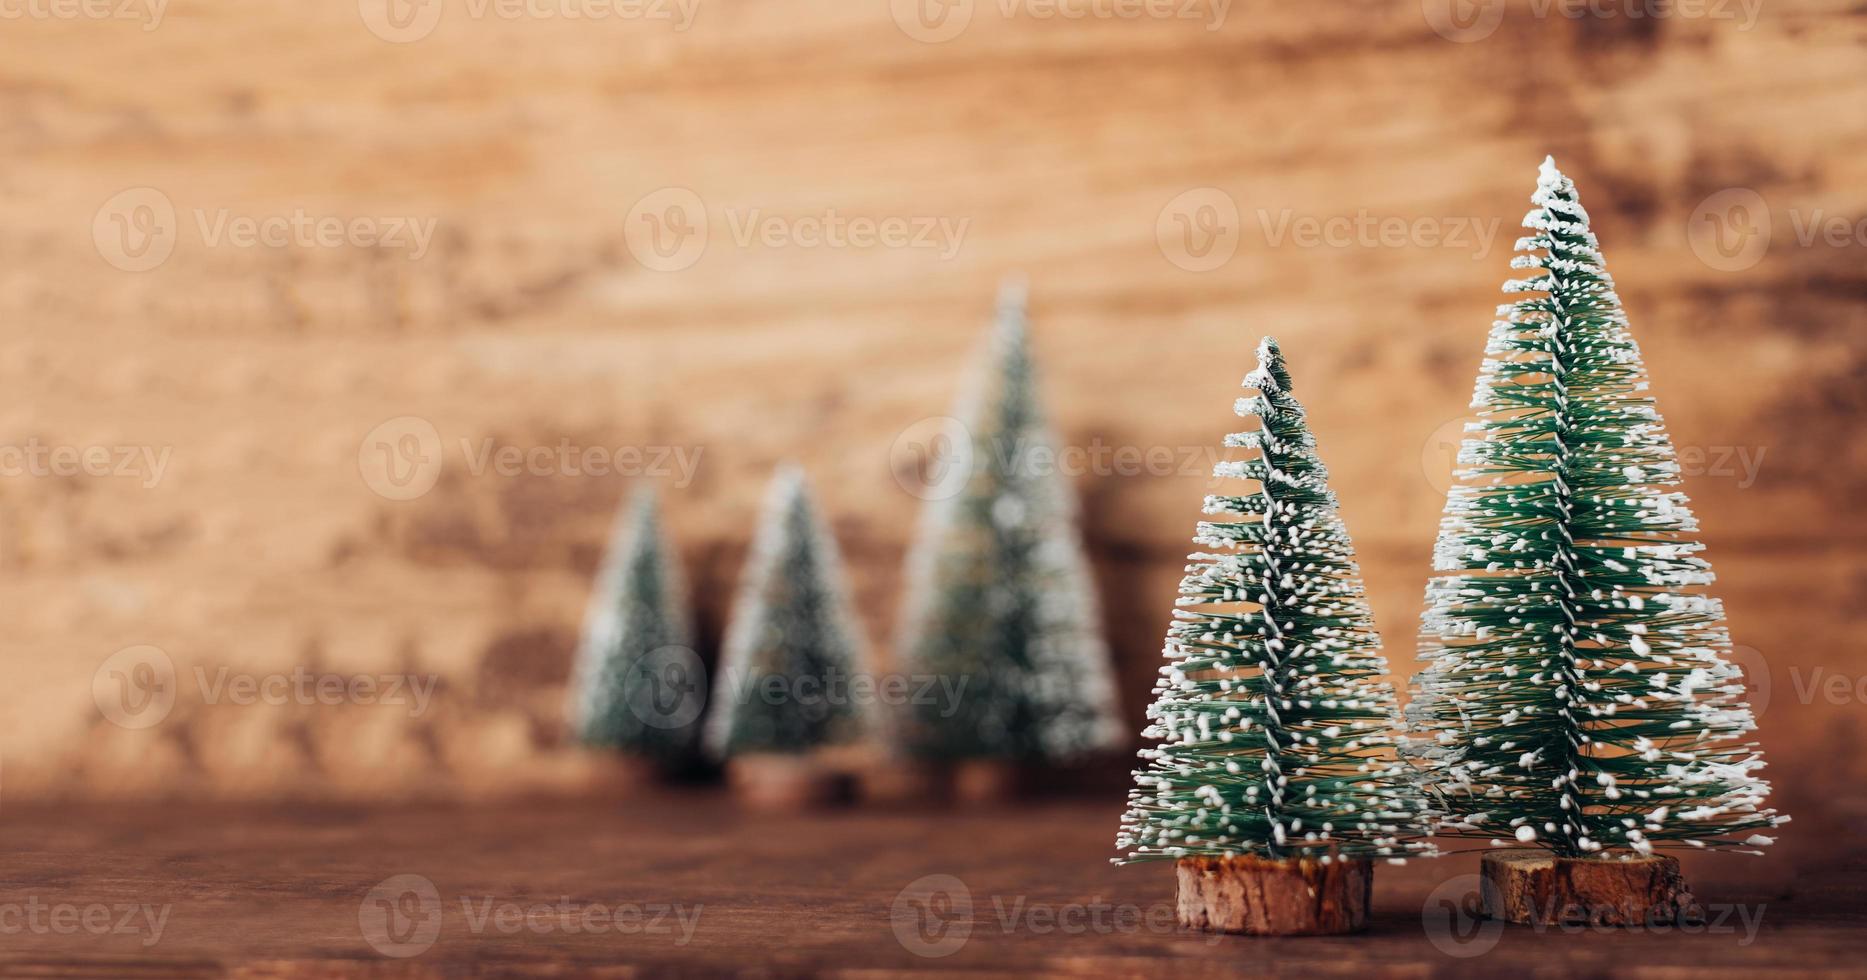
636 633
1001 605
1576 695
1276 760
789 682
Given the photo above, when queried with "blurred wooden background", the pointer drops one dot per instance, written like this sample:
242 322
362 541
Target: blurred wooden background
1066 147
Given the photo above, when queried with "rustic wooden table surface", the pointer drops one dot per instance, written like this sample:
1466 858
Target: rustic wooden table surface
683 883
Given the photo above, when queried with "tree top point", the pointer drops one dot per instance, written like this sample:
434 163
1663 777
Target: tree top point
1547 174
1014 292
645 501
787 481
1270 366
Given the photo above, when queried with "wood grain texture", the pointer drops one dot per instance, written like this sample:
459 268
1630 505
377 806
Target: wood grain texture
1289 897
530 321
1533 886
302 891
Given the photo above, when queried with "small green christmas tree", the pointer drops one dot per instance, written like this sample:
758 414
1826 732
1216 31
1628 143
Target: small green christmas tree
1001 605
788 679
1577 696
1274 718
637 630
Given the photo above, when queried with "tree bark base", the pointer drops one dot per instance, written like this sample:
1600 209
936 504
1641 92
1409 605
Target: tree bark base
982 782
779 783
894 781
630 773
1535 887
1275 897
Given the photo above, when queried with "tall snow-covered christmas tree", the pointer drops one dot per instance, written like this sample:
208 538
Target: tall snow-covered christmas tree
1001 605
637 630
788 679
1274 718
1577 696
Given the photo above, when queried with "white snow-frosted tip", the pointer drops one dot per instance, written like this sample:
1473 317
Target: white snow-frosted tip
787 481
1547 173
1526 833
1014 293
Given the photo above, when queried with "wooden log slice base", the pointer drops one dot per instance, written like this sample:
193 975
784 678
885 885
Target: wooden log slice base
1535 887
978 782
628 773
1275 896
777 782
900 782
